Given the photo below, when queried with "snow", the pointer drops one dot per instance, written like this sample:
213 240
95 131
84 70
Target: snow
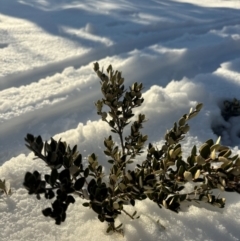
183 51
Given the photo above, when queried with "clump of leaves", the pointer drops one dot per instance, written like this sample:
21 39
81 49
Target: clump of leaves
161 177
231 108
5 187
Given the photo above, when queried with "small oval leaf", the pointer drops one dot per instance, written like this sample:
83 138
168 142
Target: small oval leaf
79 183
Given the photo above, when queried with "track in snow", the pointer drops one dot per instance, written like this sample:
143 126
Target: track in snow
69 111
158 36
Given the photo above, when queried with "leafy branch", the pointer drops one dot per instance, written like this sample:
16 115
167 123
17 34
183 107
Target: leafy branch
161 177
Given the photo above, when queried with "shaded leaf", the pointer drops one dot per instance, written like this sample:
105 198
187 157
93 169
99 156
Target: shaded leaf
79 183
54 176
78 160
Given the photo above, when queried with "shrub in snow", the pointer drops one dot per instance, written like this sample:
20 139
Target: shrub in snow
161 177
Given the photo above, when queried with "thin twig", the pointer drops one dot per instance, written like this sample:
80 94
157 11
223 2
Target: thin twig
128 214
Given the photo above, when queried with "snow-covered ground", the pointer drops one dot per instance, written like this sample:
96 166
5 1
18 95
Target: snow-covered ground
183 51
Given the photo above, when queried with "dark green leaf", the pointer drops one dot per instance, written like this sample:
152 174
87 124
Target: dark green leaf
53 145
74 149
210 142
30 137
47 178
39 140
112 123
70 199
149 177
47 212
86 172
67 162
194 151
61 147
37 175
205 150
79 183
54 176
78 160
86 204
182 197
107 153
29 177
92 184
97 208
65 174
132 201
180 188
99 169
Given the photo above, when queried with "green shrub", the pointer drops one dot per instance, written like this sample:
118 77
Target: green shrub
161 177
